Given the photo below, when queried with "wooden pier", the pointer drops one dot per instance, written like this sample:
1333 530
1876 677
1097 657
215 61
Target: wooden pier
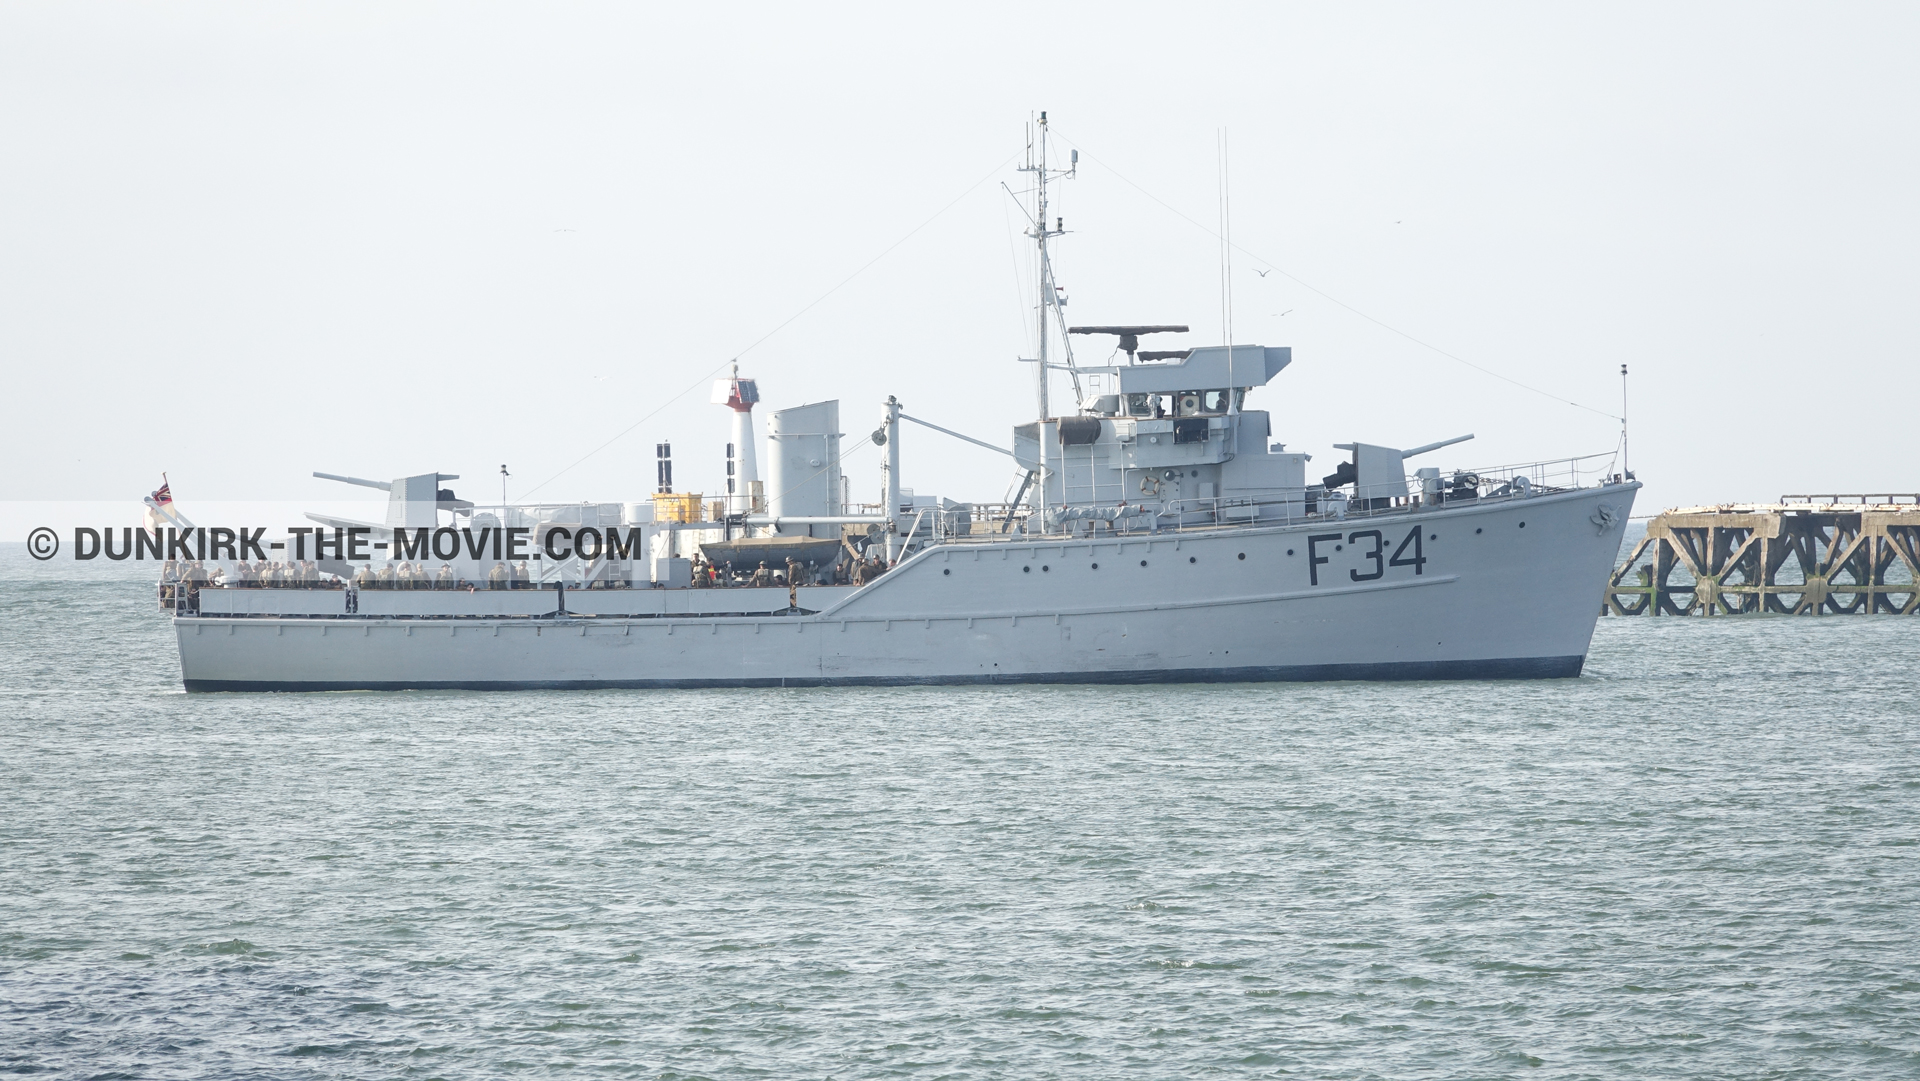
1805 555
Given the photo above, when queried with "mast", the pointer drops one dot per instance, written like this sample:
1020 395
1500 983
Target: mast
890 493
1049 298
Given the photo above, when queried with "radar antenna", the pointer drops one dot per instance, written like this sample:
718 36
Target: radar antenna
1130 336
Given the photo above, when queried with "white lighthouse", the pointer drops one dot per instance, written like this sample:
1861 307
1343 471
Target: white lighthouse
743 470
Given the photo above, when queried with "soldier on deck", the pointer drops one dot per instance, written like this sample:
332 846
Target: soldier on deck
762 577
522 578
445 578
497 577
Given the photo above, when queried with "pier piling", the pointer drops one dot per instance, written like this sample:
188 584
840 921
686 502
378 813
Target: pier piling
1805 555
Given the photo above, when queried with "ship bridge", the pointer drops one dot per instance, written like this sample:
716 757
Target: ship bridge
1174 435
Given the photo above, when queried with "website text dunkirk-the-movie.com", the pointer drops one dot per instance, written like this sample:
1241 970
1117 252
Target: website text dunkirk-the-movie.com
351 544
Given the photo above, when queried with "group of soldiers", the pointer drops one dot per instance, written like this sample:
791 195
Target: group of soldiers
797 573
297 574
501 576
188 570
514 577
305 574
406 576
294 574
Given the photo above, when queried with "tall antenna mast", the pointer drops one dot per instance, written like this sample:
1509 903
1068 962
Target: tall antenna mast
1626 468
1050 300
1037 165
1226 266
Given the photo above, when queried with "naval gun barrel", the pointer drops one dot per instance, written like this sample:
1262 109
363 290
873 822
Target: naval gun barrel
1436 446
385 486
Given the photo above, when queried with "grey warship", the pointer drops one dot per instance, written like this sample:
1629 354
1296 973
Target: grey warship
1157 533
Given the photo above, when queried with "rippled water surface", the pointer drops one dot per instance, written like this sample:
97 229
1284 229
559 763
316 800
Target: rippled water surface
1698 860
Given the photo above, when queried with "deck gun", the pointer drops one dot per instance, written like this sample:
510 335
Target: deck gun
1377 473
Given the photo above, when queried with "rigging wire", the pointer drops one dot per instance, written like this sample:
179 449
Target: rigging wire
1019 288
1381 323
777 329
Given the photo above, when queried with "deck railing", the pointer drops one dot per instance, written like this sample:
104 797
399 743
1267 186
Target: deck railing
1555 475
1492 483
1871 499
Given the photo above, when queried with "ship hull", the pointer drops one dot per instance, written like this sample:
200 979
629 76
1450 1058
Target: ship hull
1492 590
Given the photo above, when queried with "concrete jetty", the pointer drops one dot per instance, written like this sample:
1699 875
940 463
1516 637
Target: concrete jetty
1817 554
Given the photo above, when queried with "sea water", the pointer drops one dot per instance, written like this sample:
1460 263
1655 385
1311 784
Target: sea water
1698 859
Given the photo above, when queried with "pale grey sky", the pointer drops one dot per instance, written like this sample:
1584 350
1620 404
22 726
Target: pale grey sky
244 242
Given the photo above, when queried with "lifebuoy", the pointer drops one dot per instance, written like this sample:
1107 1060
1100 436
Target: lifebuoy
1149 485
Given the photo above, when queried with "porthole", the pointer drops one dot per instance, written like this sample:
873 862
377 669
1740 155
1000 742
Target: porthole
1195 473
1143 563
1433 536
1476 531
1026 570
1289 551
1096 566
1523 525
1193 559
946 570
1243 555
1339 547
1044 567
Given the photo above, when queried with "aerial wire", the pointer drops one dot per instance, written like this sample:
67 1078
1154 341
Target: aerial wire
624 432
1381 323
1019 289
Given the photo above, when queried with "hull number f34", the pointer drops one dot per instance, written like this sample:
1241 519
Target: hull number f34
1371 548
